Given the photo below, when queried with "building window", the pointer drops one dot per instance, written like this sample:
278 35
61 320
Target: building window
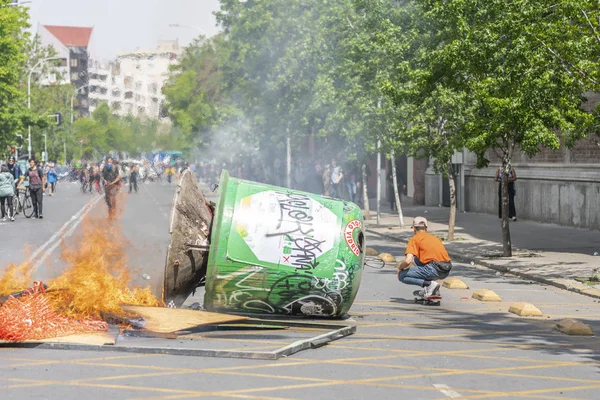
138 85
73 62
128 81
116 105
129 95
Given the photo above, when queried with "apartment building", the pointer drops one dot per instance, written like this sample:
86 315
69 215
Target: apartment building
132 84
74 47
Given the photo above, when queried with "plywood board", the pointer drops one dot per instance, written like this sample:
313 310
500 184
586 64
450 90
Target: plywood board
166 320
95 339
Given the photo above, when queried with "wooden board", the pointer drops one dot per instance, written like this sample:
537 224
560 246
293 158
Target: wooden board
167 320
94 339
190 226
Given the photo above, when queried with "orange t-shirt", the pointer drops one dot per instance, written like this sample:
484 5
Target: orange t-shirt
427 248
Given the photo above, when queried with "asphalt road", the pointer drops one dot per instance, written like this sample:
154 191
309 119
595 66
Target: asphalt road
464 348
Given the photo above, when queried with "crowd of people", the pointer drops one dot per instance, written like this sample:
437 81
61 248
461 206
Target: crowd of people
36 179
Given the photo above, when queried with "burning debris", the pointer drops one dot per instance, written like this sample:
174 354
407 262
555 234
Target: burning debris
264 250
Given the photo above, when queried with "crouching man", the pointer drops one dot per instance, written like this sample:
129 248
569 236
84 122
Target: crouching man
430 257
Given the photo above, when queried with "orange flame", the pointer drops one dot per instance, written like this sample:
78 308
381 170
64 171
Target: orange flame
15 278
97 280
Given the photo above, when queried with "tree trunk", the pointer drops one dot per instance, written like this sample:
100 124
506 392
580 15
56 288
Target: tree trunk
506 244
452 218
365 192
395 184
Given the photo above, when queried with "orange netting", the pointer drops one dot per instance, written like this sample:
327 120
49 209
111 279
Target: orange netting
32 317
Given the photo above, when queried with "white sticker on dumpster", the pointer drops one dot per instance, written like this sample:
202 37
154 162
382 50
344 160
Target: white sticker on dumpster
286 228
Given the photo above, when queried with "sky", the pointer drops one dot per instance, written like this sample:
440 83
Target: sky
126 25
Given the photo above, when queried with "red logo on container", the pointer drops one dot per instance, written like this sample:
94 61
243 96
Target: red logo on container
349 235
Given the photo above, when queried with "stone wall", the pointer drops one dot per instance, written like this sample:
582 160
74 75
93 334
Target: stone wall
564 194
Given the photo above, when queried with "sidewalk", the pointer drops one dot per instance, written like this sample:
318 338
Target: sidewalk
545 253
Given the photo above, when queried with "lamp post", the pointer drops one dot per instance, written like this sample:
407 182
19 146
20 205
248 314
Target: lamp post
29 97
45 158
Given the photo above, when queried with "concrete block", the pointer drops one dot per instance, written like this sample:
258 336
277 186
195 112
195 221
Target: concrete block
371 251
388 258
485 295
525 310
574 328
454 283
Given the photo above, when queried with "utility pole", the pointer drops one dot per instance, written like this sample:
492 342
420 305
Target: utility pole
289 162
378 180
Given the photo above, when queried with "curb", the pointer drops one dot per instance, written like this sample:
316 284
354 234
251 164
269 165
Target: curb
499 268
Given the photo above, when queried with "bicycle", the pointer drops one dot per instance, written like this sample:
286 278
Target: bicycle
25 206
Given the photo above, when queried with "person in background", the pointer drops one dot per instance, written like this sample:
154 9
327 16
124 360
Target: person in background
133 176
337 174
512 177
51 178
7 191
112 178
14 169
37 182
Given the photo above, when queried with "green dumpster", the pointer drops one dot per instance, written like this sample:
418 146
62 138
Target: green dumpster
283 252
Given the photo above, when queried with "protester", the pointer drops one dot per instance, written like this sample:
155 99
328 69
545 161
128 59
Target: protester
133 176
112 178
337 174
430 258
7 191
51 178
37 181
14 169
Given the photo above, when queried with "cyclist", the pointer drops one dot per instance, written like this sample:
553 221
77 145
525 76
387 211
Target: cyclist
111 177
7 191
37 181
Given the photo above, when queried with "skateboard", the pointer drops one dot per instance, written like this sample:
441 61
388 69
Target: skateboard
429 301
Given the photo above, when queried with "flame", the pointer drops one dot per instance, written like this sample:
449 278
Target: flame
96 280
16 277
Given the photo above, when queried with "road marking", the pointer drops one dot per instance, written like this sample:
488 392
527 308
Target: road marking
445 389
59 236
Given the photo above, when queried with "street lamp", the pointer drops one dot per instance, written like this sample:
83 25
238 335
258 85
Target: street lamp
29 96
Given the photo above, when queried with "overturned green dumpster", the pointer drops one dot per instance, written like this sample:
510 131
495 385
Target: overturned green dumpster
270 251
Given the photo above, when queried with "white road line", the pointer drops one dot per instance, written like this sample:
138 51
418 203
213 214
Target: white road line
59 236
446 390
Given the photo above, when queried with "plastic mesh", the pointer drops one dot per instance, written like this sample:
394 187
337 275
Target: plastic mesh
31 317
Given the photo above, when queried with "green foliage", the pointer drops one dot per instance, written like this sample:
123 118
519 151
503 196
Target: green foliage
13 42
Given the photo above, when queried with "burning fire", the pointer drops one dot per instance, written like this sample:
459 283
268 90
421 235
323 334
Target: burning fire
93 285
97 280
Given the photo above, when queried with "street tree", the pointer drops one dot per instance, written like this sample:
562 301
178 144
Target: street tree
504 56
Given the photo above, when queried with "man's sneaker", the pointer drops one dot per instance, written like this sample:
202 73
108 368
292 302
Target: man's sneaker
431 289
514 218
419 293
41 216
12 219
4 219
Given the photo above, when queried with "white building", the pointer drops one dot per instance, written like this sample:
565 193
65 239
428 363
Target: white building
74 46
132 84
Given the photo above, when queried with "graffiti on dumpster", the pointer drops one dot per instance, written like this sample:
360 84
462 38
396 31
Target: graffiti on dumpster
286 228
293 293
286 253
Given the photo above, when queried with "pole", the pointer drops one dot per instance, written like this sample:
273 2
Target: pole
29 98
378 180
45 159
65 149
289 163
29 108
